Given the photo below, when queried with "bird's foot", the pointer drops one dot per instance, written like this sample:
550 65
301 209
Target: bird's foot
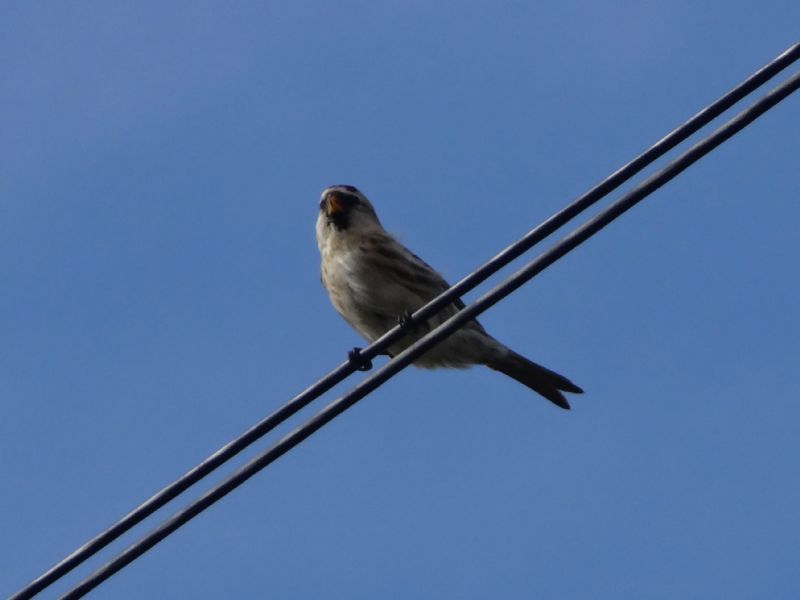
406 321
358 361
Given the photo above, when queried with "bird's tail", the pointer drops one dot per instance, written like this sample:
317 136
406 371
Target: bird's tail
543 381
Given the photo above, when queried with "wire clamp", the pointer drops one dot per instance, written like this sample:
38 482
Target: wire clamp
358 361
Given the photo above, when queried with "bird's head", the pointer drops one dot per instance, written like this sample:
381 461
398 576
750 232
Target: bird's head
343 209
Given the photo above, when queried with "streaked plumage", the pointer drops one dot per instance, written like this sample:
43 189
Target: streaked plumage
372 280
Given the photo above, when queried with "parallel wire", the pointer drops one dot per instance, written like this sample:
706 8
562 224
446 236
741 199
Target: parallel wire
466 284
402 360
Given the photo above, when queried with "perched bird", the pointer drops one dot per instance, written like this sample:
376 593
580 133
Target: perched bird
373 281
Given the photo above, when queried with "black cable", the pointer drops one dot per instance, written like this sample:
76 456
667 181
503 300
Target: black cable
466 284
402 360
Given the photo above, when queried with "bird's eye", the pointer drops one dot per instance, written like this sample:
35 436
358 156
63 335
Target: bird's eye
348 199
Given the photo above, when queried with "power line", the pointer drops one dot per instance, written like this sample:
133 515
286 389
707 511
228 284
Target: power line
402 360
466 284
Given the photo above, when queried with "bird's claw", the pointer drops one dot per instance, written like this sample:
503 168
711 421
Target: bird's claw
358 361
406 321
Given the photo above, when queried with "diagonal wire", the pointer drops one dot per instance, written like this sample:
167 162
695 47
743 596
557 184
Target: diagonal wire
402 360
466 284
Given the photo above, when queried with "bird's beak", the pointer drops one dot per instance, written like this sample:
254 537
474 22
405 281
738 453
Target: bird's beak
333 206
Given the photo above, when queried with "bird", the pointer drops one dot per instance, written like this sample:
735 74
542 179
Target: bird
374 283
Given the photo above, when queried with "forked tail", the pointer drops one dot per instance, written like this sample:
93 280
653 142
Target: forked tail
541 380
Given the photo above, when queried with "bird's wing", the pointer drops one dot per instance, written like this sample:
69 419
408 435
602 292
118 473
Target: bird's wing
407 276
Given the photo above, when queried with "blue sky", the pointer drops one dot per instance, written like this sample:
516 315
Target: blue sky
160 166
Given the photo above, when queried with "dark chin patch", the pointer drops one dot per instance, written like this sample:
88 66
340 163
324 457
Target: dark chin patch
339 221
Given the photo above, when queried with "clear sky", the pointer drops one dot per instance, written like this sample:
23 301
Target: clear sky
160 168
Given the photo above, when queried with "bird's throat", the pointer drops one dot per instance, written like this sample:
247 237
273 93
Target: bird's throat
339 221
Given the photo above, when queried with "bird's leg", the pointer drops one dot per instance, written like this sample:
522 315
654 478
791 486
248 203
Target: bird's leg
406 321
358 361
